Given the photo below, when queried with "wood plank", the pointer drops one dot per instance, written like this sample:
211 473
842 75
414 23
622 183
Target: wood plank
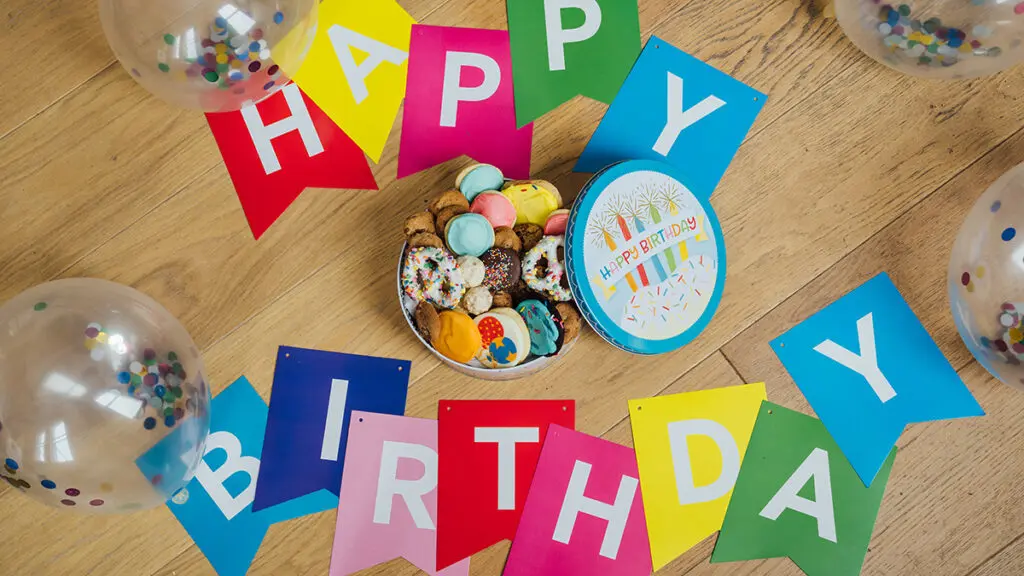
49 48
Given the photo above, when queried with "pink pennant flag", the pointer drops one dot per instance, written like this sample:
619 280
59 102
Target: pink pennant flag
584 514
388 502
459 100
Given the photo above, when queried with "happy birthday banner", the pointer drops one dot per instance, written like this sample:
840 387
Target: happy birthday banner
775 482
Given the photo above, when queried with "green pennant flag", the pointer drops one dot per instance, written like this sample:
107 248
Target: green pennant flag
561 48
798 496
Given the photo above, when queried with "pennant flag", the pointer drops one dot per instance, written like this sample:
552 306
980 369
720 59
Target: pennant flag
388 504
689 448
459 100
797 496
276 149
215 508
584 514
488 452
868 368
311 404
356 68
561 48
698 129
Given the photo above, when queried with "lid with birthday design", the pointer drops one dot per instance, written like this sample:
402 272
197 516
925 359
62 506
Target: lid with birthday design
645 257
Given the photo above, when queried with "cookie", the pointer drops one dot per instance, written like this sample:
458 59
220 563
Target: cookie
529 235
457 336
472 270
550 188
426 239
419 222
505 237
448 199
496 207
556 223
521 292
479 178
431 274
502 269
546 335
543 270
445 215
477 300
469 235
521 332
504 341
570 318
501 300
428 323
533 203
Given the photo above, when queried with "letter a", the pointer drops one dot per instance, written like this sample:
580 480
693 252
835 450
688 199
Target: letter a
815 466
344 40
299 120
616 514
866 363
213 480
678 117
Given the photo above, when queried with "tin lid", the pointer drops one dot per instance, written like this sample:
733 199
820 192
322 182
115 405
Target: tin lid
645 257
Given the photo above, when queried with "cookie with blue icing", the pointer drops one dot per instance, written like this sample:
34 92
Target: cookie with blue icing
479 178
544 326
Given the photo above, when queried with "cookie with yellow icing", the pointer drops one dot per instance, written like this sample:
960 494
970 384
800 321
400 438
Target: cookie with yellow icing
457 336
533 202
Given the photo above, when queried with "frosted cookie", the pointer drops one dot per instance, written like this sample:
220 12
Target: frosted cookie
472 270
469 235
494 206
458 337
502 269
479 178
446 214
556 223
504 342
533 203
546 335
522 333
543 271
431 274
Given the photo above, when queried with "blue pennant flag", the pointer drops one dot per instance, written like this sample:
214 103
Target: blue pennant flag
312 399
215 508
868 368
675 109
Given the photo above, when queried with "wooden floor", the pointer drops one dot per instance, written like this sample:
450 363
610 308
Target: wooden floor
851 169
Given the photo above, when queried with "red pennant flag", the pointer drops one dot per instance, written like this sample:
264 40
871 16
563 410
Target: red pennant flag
279 147
487 453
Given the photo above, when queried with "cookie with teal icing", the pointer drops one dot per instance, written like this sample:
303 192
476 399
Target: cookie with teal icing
469 235
546 333
479 178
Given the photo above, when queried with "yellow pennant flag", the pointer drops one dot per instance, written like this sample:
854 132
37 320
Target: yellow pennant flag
356 68
689 448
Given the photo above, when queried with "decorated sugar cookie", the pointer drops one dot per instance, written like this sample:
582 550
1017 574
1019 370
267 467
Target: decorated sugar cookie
533 203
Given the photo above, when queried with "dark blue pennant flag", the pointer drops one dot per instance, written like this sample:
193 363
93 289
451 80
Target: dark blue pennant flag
311 402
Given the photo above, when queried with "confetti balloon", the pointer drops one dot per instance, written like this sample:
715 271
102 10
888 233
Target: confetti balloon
986 279
937 38
103 403
206 54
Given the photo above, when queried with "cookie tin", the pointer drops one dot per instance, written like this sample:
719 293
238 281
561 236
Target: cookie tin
532 365
645 257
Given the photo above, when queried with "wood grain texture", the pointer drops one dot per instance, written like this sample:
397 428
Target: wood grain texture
850 169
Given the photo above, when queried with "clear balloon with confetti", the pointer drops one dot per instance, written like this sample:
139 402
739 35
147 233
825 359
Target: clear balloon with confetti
103 403
214 55
986 279
937 38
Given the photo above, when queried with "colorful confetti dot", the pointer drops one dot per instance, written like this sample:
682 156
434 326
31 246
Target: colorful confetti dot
965 279
96 502
169 39
279 17
124 377
163 67
39 307
149 423
68 502
48 484
169 421
210 75
1008 234
72 492
10 463
1019 9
